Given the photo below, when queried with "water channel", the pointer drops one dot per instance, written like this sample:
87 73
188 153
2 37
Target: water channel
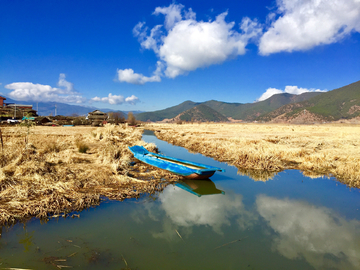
231 222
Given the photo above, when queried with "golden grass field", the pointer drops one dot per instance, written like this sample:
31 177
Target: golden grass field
48 176
261 150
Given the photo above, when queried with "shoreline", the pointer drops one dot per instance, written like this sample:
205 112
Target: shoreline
50 176
262 150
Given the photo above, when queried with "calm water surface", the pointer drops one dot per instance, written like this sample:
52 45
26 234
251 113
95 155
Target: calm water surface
289 222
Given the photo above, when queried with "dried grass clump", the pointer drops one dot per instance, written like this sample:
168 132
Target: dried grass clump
50 176
330 150
52 147
82 147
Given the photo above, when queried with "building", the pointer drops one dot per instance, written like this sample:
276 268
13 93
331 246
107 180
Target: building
2 101
42 120
97 116
16 111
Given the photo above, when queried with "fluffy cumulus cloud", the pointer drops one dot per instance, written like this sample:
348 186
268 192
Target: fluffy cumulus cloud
28 91
132 100
64 93
184 44
300 25
325 239
288 89
116 99
129 76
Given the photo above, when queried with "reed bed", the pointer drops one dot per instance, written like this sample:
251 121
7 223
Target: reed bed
262 150
49 175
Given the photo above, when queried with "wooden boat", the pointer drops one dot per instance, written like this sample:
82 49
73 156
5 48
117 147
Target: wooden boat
199 187
188 169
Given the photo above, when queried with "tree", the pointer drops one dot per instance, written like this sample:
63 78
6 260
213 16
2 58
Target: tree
131 119
119 117
28 124
116 117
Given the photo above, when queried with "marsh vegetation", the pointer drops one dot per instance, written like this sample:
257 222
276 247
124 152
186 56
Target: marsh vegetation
52 171
261 150
191 232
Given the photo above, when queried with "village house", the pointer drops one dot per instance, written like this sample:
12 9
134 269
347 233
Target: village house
16 111
2 101
97 117
43 120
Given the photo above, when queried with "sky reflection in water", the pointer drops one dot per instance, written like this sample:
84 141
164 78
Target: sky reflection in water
299 229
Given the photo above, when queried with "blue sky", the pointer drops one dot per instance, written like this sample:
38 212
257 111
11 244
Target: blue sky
150 55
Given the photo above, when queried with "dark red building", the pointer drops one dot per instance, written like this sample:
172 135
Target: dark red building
2 101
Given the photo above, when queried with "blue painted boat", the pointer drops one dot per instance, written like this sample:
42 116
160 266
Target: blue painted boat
188 169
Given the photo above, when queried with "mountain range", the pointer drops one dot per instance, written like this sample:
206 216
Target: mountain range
201 113
340 103
238 111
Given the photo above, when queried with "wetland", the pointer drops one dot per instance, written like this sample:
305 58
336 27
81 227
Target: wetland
233 221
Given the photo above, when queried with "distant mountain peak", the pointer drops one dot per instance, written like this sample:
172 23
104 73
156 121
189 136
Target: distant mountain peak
201 113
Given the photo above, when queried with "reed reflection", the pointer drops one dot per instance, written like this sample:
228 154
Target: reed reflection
257 175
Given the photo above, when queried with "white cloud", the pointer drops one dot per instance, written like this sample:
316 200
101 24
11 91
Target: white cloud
323 238
288 89
27 91
191 45
128 75
172 14
64 83
150 42
269 92
305 24
116 99
132 100
185 44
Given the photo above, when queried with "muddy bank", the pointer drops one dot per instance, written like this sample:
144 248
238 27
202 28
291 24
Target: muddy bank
260 150
65 169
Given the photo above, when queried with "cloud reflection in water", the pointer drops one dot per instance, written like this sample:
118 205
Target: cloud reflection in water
317 234
185 209
299 230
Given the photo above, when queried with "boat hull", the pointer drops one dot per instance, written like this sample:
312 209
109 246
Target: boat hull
196 176
185 168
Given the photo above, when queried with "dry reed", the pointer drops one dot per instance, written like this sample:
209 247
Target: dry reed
48 176
260 150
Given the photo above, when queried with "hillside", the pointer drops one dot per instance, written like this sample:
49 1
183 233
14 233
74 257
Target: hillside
251 111
340 103
202 113
240 111
166 113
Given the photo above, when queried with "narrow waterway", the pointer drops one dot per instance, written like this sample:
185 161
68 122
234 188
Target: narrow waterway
231 222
